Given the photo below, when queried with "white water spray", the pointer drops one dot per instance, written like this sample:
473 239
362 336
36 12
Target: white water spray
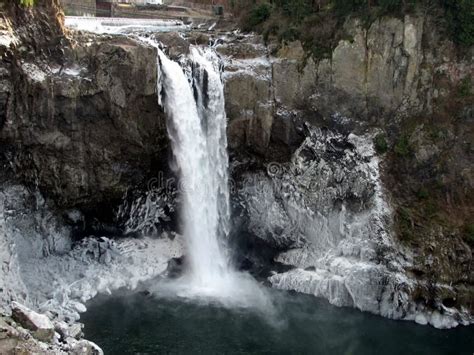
196 142
197 127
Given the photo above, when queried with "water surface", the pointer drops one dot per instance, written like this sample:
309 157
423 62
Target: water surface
139 324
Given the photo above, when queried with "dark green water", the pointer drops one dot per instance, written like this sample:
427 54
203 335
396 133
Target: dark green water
138 324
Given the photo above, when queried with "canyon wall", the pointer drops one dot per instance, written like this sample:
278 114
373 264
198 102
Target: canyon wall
356 170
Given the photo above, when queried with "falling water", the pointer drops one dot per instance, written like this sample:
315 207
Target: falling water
197 127
209 94
197 131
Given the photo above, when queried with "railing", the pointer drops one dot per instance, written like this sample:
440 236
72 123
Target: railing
193 5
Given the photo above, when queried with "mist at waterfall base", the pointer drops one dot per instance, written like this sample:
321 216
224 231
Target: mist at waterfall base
139 324
197 125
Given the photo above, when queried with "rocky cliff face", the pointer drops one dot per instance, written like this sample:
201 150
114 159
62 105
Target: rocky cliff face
80 123
318 148
405 88
396 68
84 124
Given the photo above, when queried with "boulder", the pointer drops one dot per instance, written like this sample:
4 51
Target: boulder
85 347
69 331
40 325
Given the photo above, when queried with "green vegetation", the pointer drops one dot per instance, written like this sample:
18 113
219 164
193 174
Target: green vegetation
318 23
431 208
402 147
294 9
430 198
258 15
465 87
27 3
460 19
469 233
418 217
380 143
423 193
405 223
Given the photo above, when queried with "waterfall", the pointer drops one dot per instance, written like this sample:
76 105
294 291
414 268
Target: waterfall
209 93
197 128
197 125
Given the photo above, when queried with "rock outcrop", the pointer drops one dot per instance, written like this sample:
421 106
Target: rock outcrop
15 339
82 125
405 84
396 68
39 324
249 93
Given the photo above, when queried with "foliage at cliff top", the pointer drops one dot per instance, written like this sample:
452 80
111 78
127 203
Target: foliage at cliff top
298 19
27 2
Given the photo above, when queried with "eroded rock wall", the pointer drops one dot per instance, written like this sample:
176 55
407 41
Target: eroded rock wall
376 76
80 113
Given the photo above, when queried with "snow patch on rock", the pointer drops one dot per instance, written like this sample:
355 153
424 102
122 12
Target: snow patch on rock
34 73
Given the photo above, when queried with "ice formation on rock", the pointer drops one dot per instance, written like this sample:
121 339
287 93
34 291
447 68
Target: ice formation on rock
328 210
44 270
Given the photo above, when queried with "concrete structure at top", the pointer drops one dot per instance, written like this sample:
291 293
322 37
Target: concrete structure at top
137 8
101 7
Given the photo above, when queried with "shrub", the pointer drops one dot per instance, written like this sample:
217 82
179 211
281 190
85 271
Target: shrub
465 87
295 9
423 193
296 18
402 148
430 209
405 223
390 5
469 233
27 2
270 29
346 7
460 18
290 34
319 34
258 15
380 143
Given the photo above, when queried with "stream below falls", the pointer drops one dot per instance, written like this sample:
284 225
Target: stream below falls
141 324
